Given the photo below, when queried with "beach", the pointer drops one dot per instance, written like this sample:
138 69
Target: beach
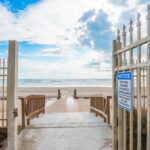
53 91
51 94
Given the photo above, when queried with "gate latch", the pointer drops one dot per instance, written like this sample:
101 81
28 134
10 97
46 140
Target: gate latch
15 112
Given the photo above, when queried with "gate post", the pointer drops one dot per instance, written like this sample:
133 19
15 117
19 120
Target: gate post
12 96
148 80
115 117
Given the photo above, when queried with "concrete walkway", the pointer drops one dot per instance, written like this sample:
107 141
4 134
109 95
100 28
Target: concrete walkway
66 125
66 131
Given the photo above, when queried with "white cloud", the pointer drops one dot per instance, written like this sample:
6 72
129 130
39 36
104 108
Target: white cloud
57 52
51 21
73 68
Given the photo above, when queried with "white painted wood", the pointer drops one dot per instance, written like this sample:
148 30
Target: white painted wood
133 66
148 108
124 111
139 125
12 95
148 80
115 116
120 110
131 62
133 45
139 91
139 109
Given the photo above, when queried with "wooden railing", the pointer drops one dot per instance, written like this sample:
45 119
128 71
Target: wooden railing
32 106
100 106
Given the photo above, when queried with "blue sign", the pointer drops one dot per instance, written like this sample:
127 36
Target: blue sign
124 90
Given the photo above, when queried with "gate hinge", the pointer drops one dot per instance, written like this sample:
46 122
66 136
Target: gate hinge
15 112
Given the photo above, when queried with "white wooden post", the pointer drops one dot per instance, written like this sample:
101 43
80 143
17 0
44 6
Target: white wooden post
139 86
120 110
115 109
124 111
131 62
12 96
148 81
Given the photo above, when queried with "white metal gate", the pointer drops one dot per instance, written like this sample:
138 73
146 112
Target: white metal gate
131 130
3 95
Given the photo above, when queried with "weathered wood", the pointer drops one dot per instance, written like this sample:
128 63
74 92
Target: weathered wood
3 93
100 106
120 110
148 107
23 113
140 88
115 116
120 128
133 45
133 66
139 109
124 111
139 125
12 95
131 113
32 106
108 110
99 111
148 81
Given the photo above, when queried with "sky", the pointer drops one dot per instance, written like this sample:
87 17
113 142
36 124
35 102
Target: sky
65 38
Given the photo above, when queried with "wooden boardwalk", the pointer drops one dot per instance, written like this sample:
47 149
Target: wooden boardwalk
66 125
66 131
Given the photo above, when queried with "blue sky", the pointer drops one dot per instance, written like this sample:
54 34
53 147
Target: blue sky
64 38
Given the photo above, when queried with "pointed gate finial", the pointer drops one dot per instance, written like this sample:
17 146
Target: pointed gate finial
118 35
124 28
138 17
131 23
148 10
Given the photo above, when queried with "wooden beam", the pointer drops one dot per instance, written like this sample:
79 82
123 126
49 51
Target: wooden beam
148 108
148 81
115 116
133 45
133 66
12 95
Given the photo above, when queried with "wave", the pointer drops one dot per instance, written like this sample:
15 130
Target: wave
64 82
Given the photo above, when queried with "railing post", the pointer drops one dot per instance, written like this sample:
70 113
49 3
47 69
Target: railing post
12 96
115 116
59 94
148 80
131 62
108 109
139 126
124 111
23 112
120 110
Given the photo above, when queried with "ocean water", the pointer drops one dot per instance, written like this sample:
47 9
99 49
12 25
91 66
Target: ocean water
65 82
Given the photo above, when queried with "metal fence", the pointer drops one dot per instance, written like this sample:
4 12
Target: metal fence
3 93
131 130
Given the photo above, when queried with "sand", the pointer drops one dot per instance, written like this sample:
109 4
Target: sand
67 105
53 91
80 105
